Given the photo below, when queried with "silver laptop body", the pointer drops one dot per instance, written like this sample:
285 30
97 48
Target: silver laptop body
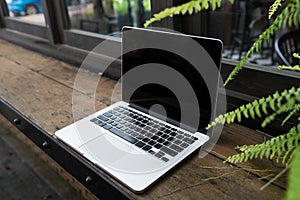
137 140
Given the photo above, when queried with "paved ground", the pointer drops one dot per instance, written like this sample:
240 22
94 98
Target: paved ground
23 175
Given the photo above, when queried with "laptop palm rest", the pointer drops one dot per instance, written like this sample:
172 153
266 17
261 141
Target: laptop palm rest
115 154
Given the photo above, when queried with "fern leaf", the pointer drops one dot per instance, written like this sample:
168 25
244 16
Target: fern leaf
293 186
274 8
293 68
291 11
278 102
275 147
296 108
296 55
191 7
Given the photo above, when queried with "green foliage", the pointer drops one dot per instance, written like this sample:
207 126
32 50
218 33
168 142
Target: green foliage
295 109
293 177
274 8
296 55
290 16
278 103
293 68
281 146
193 6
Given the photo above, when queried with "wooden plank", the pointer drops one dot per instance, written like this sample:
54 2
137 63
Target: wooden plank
42 89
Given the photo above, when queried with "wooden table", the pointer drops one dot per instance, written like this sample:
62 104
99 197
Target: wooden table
41 88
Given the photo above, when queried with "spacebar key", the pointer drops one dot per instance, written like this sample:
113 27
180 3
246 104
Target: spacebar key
123 135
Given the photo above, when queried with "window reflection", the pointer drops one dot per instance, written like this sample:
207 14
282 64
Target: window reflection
27 10
107 16
244 22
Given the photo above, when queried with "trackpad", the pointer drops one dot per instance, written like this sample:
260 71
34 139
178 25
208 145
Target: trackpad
106 149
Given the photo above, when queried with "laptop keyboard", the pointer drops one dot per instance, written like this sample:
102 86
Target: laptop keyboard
150 135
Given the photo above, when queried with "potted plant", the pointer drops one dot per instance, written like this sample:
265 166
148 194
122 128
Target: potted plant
285 148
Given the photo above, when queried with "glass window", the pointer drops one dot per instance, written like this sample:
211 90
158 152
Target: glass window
107 16
27 11
239 25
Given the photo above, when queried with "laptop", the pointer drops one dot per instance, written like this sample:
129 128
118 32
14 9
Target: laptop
168 97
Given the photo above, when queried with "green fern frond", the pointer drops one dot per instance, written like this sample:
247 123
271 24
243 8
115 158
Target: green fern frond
293 68
293 186
296 55
289 16
295 109
193 6
274 8
277 102
280 147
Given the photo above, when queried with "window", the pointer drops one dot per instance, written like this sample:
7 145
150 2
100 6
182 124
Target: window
107 16
27 10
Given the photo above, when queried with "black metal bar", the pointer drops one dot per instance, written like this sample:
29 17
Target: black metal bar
86 174
3 12
55 17
4 8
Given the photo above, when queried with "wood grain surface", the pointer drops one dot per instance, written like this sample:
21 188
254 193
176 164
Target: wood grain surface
43 89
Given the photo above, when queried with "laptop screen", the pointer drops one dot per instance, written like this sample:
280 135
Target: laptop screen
159 78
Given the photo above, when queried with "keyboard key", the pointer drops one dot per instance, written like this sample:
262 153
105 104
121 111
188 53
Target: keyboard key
166 143
179 137
107 127
119 126
149 135
176 147
167 131
158 146
154 137
94 119
102 118
122 122
134 134
151 152
160 154
140 137
152 142
142 125
107 114
170 138
147 148
137 129
178 142
129 131
123 135
123 129
153 130
165 159
159 133
184 145
173 133
146 140
113 117
160 140
188 140
169 151
140 144
110 121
